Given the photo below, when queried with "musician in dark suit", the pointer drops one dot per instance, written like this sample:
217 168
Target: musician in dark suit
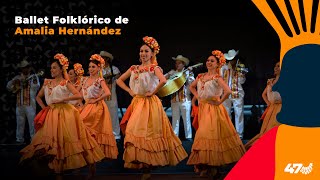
25 85
181 100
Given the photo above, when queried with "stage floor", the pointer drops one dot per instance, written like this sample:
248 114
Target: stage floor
9 156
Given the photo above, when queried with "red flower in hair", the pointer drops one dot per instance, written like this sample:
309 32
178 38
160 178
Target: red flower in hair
78 69
218 54
63 60
98 58
151 42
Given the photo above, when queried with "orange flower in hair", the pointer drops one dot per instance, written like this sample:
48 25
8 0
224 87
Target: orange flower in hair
63 60
218 54
98 58
78 69
152 43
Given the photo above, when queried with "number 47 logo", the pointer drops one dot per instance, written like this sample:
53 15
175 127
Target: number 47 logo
298 167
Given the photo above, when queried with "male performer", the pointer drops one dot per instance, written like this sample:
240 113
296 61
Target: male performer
181 100
25 86
233 74
111 73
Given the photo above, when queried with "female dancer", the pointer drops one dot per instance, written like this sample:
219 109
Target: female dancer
75 76
95 113
273 101
216 141
149 138
62 138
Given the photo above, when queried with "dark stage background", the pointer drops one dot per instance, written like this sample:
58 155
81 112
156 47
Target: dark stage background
192 29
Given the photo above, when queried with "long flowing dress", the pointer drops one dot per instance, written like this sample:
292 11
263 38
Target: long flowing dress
97 118
216 141
63 138
149 137
269 116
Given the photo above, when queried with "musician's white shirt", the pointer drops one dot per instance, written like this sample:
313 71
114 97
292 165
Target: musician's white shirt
107 72
143 81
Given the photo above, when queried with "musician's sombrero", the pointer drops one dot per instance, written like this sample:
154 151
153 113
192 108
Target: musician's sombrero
23 63
106 54
181 58
231 54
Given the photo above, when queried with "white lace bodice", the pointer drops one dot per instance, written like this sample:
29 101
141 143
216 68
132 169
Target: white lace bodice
209 88
142 81
57 93
93 90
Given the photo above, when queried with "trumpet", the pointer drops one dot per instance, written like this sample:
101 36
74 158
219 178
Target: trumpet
242 69
40 73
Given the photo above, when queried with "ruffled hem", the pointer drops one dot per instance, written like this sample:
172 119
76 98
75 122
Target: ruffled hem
63 140
102 131
269 121
51 147
219 145
93 153
72 156
72 162
108 145
215 158
140 152
216 152
69 157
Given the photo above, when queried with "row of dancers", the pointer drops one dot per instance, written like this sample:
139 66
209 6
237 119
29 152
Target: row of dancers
71 135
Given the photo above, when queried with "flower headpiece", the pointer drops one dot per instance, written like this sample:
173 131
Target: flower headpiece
78 69
63 60
98 58
218 54
152 43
